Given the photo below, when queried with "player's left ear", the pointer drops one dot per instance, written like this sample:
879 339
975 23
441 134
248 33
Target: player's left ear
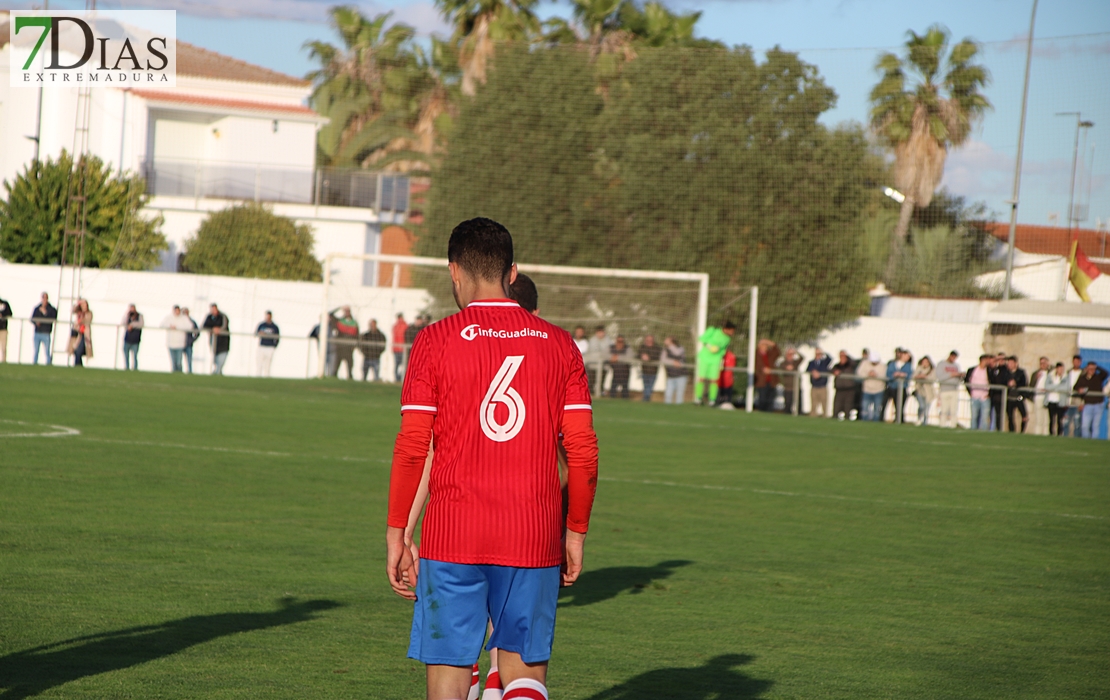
512 274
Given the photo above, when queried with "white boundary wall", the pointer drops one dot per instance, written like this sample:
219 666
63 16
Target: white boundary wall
295 305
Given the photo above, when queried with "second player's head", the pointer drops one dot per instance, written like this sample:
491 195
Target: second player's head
480 252
523 291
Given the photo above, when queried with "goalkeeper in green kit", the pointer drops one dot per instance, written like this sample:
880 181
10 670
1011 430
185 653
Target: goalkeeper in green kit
714 342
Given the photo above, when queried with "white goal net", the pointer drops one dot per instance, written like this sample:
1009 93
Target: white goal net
630 304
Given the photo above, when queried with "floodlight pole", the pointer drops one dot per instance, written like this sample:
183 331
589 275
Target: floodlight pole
1079 125
1017 165
749 393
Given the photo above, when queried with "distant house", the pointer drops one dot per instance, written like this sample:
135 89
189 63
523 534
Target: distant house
229 132
1041 261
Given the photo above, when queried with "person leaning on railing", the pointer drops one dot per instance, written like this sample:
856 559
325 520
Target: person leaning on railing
978 380
81 337
1091 387
132 325
874 385
1039 408
178 328
371 344
42 318
790 363
844 382
1058 389
925 388
674 362
1017 384
951 377
818 369
5 314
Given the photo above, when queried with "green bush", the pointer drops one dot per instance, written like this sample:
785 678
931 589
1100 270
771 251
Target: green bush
33 212
249 240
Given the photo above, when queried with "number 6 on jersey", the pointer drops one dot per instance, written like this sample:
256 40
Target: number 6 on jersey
500 392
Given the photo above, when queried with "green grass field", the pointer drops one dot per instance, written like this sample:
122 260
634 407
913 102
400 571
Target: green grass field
223 538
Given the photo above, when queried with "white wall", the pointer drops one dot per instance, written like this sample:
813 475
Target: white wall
296 307
335 229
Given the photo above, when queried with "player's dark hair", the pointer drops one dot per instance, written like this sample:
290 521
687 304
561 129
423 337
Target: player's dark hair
729 326
483 248
523 291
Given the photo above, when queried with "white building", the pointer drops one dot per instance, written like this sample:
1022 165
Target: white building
228 132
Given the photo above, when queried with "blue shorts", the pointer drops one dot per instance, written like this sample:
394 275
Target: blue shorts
454 601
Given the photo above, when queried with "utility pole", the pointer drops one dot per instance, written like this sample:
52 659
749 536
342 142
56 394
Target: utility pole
1017 165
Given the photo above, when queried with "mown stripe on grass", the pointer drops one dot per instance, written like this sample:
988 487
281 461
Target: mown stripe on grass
856 499
232 450
1018 447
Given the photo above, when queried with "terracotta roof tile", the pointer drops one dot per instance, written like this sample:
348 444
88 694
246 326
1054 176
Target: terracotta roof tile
1054 240
202 63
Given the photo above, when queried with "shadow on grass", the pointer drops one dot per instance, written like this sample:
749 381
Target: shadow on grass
33 671
603 584
716 680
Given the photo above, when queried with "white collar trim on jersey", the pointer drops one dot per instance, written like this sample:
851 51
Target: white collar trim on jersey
492 303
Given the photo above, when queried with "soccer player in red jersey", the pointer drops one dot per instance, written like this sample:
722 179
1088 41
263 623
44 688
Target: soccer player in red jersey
496 385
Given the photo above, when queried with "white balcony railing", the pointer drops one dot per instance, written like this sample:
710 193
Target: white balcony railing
342 187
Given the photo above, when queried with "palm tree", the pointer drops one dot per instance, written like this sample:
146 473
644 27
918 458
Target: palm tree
924 105
354 84
611 26
479 24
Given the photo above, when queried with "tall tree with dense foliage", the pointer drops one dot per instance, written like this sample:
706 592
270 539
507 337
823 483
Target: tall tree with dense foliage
33 212
925 104
696 160
249 240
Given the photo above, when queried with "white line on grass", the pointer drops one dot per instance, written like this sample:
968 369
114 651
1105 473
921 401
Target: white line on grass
878 501
56 430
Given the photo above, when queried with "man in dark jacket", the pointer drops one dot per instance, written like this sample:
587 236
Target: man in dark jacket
371 344
620 358
649 354
818 369
219 337
999 375
43 318
1015 394
132 335
844 381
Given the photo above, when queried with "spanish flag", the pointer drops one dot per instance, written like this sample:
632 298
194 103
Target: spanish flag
1083 271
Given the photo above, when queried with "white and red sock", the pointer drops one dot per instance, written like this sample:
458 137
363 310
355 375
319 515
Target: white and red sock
525 689
475 676
493 689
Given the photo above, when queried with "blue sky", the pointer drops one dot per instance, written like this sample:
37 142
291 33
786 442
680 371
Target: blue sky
842 38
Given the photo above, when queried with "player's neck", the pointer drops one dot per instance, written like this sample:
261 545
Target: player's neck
481 292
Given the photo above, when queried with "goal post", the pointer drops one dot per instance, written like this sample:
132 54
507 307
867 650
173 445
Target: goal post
630 303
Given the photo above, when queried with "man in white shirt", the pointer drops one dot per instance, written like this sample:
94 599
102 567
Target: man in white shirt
176 324
1075 403
1039 407
597 350
950 378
